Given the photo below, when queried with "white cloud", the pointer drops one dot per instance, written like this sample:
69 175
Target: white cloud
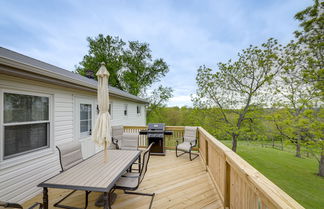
180 101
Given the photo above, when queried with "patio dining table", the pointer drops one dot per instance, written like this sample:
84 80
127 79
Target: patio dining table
93 174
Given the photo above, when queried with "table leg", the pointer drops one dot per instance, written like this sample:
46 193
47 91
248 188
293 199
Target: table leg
45 198
139 164
101 201
107 204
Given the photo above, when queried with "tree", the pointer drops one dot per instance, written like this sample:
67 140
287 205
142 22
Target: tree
157 100
130 64
314 124
104 49
140 71
294 95
311 38
237 89
300 85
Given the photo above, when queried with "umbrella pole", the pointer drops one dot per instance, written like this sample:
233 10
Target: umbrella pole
105 153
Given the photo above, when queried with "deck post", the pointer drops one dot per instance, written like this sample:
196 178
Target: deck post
227 185
206 154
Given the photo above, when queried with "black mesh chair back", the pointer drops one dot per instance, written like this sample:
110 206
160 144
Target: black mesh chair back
145 160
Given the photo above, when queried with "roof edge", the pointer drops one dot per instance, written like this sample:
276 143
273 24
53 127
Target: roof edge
45 72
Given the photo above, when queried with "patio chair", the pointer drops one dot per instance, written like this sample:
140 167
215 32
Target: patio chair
15 205
129 141
132 182
117 134
188 142
123 140
70 155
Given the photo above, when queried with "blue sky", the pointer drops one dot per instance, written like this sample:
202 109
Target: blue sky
187 34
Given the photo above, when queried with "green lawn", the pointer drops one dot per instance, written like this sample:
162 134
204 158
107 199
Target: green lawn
295 176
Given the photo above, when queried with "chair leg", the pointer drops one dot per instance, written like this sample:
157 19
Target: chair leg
196 155
177 152
144 194
35 205
57 204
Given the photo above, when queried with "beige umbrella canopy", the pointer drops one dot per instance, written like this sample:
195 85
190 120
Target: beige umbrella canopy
101 133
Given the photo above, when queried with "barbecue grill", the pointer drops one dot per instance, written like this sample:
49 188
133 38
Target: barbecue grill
155 133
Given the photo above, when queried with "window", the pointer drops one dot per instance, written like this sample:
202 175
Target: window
125 110
138 110
85 119
26 123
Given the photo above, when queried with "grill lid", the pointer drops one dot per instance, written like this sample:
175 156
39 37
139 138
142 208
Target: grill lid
156 126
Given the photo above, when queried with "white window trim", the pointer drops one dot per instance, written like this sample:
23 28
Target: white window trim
33 154
86 133
83 100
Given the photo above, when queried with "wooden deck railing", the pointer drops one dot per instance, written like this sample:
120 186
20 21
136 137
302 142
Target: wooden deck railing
239 185
170 141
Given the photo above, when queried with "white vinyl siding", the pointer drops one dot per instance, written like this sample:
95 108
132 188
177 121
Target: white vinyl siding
132 118
19 179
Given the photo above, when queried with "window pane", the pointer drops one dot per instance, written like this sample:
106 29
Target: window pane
22 138
85 118
85 111
85 126
23 108
125 110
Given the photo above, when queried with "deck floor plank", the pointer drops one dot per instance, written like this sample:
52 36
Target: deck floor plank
177 183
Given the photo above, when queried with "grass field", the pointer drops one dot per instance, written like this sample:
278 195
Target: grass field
295 176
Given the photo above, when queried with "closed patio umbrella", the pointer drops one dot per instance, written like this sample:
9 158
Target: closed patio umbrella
101 133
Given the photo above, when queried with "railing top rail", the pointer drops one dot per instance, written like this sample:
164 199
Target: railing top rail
175 128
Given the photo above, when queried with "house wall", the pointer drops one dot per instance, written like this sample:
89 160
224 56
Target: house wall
19 176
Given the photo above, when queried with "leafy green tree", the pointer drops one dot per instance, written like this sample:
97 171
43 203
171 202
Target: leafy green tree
238 88
314 124
300 85
130 64
104 49
311 39
158 100
294 95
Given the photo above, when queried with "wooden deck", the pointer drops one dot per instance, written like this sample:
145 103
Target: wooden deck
177 183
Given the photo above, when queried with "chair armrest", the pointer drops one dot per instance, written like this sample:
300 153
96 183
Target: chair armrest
115 142
192 145
179 140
